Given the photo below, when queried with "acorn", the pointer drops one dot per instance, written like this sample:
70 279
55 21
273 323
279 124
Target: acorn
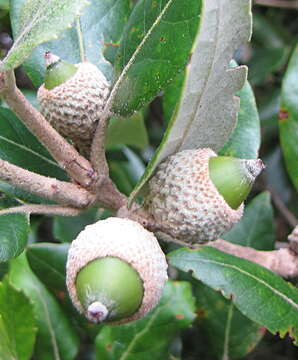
72 99
116 271
195 196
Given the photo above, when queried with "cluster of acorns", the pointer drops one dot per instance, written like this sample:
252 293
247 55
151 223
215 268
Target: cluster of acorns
116 269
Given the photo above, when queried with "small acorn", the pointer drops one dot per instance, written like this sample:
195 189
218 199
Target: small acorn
72 99
195 196
116 271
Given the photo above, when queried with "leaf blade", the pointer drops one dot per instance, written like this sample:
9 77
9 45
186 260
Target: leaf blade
39 21
250 286
206 113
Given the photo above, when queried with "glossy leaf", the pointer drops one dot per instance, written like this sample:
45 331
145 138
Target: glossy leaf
230 334
39 21
20 147
17 324
156 45
206 113
56 338
131 132
50 259
14 231
258 293
102 24
288 123
151 336
255 229
66 228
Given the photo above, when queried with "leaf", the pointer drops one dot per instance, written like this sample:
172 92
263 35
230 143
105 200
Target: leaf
101 27
150 337
50 259
39 21
21 148
66 228
14 231
230 334
17 324
155 46
255 229
288 122
56 338
258 293
131 131
206 113
245 140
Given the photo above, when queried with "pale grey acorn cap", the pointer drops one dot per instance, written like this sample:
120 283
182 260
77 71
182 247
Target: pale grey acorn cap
129 241
75 107
184 201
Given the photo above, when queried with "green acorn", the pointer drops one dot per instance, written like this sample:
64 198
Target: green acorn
116 271
196 196
72 99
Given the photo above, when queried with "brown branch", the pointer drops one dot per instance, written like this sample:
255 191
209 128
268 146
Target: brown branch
283 262
64 193
97 155
42 209
65 154
109 196
278 3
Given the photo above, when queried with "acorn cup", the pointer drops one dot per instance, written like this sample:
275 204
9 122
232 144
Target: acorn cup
116 271
195 196
72 99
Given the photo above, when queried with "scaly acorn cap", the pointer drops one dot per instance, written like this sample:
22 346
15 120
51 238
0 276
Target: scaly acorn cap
72 99
116 271
188 203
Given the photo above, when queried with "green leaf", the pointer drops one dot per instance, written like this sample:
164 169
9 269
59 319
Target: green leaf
156 45
56 338
230 334
131 131
255 229
150 337
102 25
288 124
258 293
206 113
14 231
50 259
66 228
18 328
39 21
245 140
20 147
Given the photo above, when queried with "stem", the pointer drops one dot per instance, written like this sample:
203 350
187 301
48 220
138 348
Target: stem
65 154
109 196
42 209
278 3
283 261
80 38
64 193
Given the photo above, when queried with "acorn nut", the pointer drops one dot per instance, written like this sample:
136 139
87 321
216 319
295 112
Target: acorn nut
195 196
116 271
72 99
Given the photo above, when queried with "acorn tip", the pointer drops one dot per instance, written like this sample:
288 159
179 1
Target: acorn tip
97 312
50 58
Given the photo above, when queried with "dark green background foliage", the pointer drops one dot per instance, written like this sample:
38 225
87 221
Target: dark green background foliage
216 306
